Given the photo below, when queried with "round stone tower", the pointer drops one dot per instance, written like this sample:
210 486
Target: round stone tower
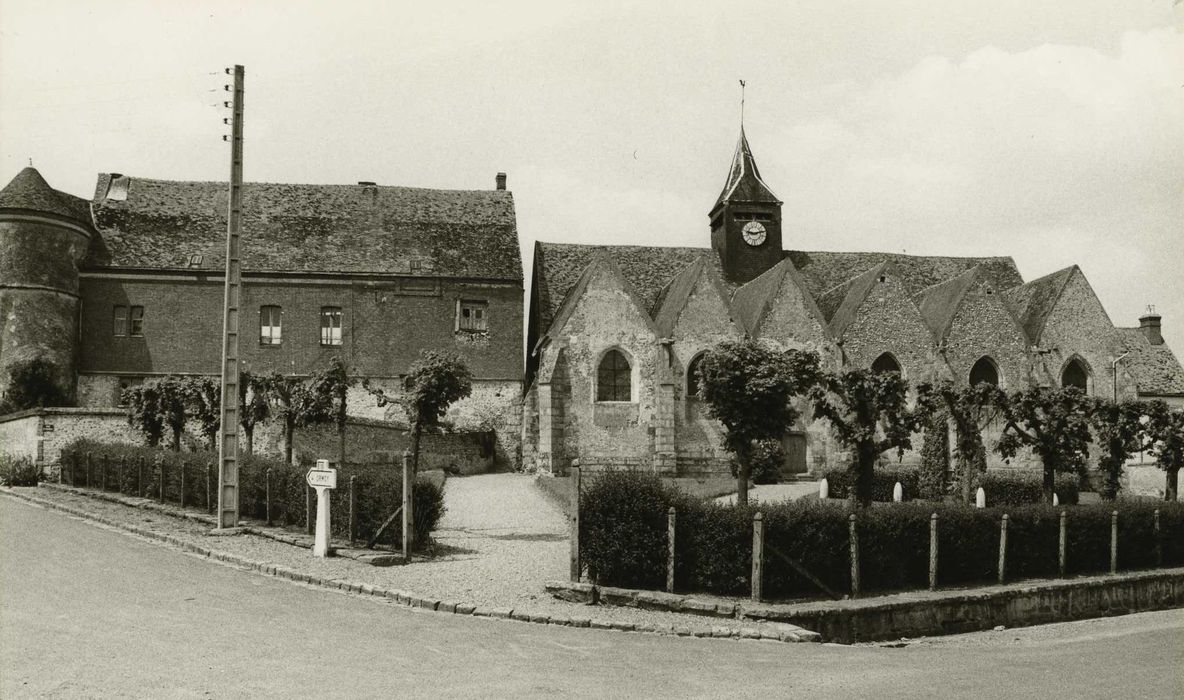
44 236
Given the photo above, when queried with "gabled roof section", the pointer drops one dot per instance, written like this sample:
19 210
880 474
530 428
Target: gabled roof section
824 271
601 262
1154 368
849 297
939 303
29 191
310 228
648 269
744 183
751 302
1035 300
674 296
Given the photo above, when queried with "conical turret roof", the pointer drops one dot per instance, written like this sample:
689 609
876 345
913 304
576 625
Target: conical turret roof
28 190
744 183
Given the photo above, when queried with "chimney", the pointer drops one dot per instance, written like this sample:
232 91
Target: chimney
367 183
1149 324
501 181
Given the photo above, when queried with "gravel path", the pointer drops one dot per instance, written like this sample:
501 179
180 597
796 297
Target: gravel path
772 493
499 542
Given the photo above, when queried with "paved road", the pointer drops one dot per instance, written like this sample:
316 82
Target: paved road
86 611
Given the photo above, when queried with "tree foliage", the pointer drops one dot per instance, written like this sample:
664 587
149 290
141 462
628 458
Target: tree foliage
253 405
32 383
297 402
1055 423
971 409
144 411
869 414
1167 430
204 402
333 384
747 387
1122 429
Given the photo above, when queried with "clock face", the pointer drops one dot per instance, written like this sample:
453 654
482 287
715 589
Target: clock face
754 233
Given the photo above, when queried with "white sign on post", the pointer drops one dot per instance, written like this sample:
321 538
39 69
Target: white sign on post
322 478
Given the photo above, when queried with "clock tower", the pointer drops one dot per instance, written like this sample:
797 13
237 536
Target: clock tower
746 220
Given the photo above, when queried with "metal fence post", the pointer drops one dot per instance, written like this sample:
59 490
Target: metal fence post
1114 542
122 472
407 522
140 477
1062 541
574 565
353 510
89 468
209 487
758 556
160 462
671 519
854 537
1158 540
267 496
933 552
1003 548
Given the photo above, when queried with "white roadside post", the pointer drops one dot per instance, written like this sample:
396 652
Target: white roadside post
322 478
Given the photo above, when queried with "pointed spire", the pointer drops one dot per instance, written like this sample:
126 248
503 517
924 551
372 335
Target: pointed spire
28 190
744 183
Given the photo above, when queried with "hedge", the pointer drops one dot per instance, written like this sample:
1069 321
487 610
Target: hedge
18 471
378 488
1003 488
623 540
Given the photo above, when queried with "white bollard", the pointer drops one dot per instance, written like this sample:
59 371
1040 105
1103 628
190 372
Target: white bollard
1056 500
980 498
897 493
823 490
320 546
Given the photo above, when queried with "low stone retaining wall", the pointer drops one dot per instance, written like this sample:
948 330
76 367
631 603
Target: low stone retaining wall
925 613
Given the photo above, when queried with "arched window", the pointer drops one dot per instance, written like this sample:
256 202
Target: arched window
614 378
693 376
984 372
1075 374
886 363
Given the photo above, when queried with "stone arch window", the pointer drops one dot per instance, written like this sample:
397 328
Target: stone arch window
886 363
985 371
1075 373
693 373
614 377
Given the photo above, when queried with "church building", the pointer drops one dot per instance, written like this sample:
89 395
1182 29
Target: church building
615 333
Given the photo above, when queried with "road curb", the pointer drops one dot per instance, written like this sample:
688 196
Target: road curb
397 596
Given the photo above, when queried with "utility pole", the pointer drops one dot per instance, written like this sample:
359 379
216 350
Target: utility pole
228 449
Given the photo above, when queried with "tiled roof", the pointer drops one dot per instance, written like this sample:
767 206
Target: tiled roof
1034 301
309 228
751 302
824 271
850 296
674 295
744 183
28 190
939 303
1154 368
601 261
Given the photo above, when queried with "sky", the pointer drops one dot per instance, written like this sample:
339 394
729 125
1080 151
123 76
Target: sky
1050 131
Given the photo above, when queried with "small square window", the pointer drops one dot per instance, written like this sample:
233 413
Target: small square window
472 316
330 325
136 322
119 317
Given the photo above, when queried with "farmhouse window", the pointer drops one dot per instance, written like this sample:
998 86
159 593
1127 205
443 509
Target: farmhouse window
472 316
614 378
270 321
330 325
135 326
120 321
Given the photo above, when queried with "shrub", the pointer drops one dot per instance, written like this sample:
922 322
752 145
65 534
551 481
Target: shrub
137 470
935 458
1007 488
32 383
623 541
765 462
884 481
19 471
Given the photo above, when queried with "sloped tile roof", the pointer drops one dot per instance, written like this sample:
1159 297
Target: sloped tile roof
601 261
311 228
674 295
744 183
850 296
939 303
752 301
28 190
1154 368
825 270
1034 301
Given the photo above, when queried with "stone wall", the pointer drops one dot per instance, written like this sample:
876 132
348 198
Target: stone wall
1078 327
888 322
42 433
983 326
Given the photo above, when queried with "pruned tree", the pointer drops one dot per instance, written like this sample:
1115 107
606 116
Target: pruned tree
203 397
869 414
1167 430
1122 429
970 409
333 384
748 388
297 404
144 411
253 406
32 383
174 395
434 382
1055 424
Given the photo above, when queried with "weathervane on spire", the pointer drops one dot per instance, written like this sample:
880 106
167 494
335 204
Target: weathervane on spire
741 104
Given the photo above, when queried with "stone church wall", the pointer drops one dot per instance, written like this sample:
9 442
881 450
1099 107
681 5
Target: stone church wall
1078 326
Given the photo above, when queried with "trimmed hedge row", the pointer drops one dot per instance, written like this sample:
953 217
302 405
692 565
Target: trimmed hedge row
1003 488
378 489
623 540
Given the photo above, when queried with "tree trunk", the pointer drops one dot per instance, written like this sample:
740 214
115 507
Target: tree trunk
864 473
1171 484
340 445
176 446
289 428
249 434
743 471
1048 487
416 431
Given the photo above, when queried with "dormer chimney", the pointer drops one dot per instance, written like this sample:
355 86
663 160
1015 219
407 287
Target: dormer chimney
501 181
1149 324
